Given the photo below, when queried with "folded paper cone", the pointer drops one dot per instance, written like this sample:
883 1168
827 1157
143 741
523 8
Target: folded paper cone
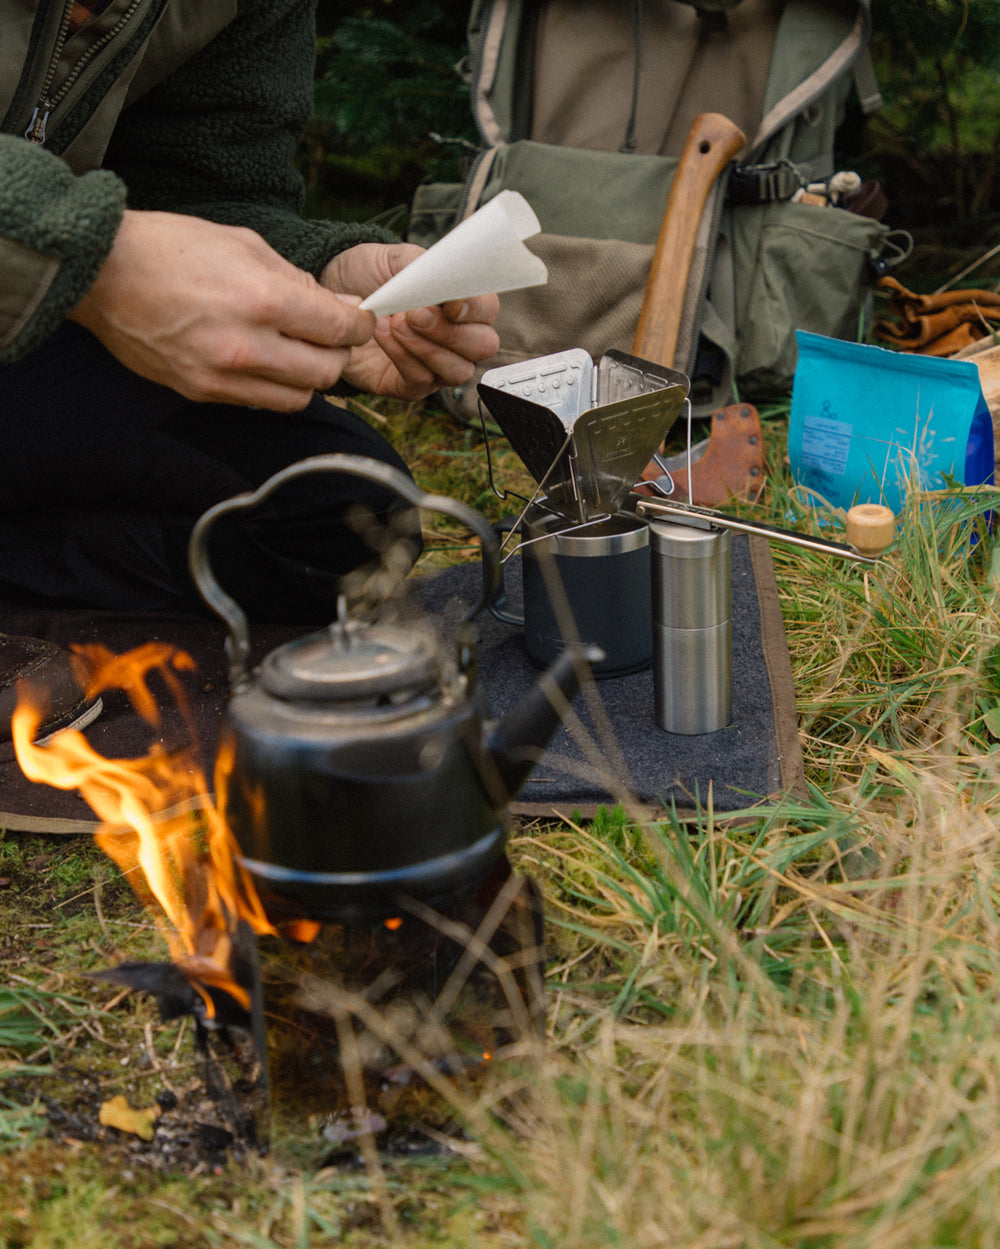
481 255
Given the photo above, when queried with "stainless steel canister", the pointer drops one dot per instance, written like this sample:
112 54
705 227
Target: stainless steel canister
692 627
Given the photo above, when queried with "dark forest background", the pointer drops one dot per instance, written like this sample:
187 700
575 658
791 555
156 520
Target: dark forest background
391 110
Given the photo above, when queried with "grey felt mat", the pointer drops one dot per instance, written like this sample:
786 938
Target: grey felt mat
615 752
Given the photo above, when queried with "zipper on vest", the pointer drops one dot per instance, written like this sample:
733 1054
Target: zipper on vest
39 120
35 132
47 101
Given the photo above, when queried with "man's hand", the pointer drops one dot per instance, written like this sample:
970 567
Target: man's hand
215 313
411 354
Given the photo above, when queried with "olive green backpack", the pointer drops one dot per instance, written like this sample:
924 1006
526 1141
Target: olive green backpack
584 107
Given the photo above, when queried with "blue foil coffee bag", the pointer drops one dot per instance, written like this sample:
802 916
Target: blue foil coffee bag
867 424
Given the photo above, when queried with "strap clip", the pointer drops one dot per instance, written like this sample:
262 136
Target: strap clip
760 184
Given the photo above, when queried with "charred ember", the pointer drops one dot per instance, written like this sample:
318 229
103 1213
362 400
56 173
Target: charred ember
176 995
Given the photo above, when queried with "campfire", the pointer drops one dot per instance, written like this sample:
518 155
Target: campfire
159 822
339 909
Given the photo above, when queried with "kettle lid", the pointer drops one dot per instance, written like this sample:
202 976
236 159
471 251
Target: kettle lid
350 661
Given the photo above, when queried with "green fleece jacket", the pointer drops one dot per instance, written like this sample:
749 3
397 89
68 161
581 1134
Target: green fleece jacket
188 106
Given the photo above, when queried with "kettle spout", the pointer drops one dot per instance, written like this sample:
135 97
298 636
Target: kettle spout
516 742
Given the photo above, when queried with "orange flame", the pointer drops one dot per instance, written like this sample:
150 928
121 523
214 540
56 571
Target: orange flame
158 820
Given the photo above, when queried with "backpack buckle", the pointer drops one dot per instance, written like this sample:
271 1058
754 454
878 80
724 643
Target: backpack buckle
759 184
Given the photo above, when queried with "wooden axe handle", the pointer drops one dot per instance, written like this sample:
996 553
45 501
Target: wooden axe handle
712 142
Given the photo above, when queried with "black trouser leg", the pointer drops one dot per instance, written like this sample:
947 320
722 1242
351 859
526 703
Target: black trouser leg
103 474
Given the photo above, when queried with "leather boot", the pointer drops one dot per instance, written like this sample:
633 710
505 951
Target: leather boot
55 678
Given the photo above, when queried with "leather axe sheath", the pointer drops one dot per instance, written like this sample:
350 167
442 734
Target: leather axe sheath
712 142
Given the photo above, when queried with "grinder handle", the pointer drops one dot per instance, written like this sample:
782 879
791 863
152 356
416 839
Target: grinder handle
238 641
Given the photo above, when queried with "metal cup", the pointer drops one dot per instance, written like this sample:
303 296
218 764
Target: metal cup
589 584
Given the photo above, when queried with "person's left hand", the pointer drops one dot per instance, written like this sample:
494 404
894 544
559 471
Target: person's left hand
411 354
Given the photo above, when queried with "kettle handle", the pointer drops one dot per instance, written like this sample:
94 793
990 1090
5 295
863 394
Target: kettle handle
238 642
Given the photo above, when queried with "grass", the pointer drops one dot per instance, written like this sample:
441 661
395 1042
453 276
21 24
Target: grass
781 1029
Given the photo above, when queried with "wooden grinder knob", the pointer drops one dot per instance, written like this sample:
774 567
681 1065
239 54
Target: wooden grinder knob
870 528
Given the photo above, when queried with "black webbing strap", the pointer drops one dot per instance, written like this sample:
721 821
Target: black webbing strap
760 184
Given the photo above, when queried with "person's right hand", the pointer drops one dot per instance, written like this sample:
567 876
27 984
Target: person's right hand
215 313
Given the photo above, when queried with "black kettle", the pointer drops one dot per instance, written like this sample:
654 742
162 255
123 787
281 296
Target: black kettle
357 766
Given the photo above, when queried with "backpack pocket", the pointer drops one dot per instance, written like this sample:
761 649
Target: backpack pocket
600 214
797 267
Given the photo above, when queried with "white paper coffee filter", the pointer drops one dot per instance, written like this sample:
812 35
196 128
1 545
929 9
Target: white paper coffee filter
482 254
